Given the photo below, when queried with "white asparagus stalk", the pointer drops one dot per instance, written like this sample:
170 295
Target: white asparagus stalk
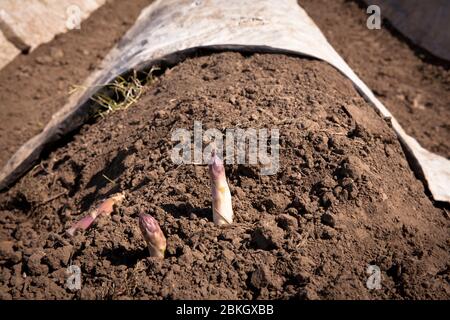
153 235
103 209
221 195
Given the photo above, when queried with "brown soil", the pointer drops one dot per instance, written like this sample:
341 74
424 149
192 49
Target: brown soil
412 84
308 232
36 85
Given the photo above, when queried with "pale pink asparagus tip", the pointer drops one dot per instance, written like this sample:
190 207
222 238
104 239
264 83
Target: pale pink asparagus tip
148 223
153 235
216 168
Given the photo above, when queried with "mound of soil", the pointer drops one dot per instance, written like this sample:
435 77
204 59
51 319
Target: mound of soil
344 198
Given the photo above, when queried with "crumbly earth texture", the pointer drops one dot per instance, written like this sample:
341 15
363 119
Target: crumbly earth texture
412 84
49 73
343 199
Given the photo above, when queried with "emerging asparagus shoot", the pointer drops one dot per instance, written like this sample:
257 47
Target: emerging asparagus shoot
153 235
104 208
221 195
